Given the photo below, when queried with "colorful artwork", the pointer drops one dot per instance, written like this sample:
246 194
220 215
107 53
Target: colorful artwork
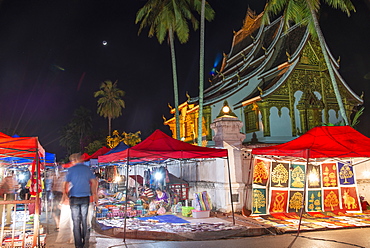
331 188
331 200
261 172
314 201
329 175
297 176
349 199
279 175
346 175
313 176
295 201
259 201
278 202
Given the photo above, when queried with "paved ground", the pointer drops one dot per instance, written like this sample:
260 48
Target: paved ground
100 240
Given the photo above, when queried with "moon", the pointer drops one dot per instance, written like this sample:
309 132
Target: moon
105 43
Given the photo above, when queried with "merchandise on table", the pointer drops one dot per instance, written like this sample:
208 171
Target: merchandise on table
111 208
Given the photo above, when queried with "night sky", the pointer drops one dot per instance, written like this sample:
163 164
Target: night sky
52 60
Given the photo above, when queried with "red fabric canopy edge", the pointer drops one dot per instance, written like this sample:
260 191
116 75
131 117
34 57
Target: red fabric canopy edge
322 142
160 146
22 147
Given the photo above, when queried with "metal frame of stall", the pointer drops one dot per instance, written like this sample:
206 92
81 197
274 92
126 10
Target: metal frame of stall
36 222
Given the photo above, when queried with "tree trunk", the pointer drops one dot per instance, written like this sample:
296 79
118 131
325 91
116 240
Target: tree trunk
201 75
109 126
175 88
328 64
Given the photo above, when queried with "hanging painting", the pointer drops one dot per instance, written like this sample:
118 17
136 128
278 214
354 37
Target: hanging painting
313 176
295 201
349 199
297 176
279 174
261 172
346 175
329 175
314 201
278 201
259 201
331 200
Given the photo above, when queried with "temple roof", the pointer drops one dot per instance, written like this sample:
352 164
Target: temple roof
260 60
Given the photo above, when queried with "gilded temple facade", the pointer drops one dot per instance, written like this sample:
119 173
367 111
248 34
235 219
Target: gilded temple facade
275 81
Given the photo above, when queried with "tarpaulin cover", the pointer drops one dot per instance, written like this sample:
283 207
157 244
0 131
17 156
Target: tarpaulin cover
159 146
20 147
322 142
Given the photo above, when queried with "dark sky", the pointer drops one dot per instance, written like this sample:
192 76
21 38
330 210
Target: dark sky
37 38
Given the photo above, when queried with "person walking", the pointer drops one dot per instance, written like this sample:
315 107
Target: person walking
80 184
57 188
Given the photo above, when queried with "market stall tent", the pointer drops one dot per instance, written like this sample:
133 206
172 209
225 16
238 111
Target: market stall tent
20 147
159 146
25 148
325 142
322 142
99 152
120 147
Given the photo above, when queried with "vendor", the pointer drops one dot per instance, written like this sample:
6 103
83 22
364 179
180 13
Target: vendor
161 196
148 194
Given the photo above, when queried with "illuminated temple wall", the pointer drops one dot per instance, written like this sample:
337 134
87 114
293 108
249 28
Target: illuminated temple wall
278 187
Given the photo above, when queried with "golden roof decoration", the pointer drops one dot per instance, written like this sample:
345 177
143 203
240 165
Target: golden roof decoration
251 23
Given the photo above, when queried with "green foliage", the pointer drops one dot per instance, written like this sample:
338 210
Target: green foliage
76 133
131 139
167 16
110 103
358 114
298 11
94 146
355 120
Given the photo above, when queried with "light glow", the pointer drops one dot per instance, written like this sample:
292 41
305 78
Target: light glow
313 177
22 176
158 176
226 109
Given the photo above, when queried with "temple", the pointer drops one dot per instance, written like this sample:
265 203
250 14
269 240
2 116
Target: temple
275 80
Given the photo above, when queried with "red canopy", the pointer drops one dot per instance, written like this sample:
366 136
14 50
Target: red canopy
20 147
160 146
96 154
322 142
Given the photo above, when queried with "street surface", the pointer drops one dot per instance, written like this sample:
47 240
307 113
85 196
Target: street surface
344 238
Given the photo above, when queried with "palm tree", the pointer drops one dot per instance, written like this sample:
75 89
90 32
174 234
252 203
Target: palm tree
110 103
201 75
305 12
83 124
169 17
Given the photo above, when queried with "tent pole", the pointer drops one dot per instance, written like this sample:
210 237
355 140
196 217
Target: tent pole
303 200
231 192
36 219
127 171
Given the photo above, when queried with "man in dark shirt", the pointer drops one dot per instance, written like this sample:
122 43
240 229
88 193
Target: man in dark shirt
79 185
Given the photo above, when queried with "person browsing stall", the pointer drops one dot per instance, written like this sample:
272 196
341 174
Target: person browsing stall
9 187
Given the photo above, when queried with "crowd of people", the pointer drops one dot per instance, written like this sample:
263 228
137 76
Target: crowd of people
74 193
